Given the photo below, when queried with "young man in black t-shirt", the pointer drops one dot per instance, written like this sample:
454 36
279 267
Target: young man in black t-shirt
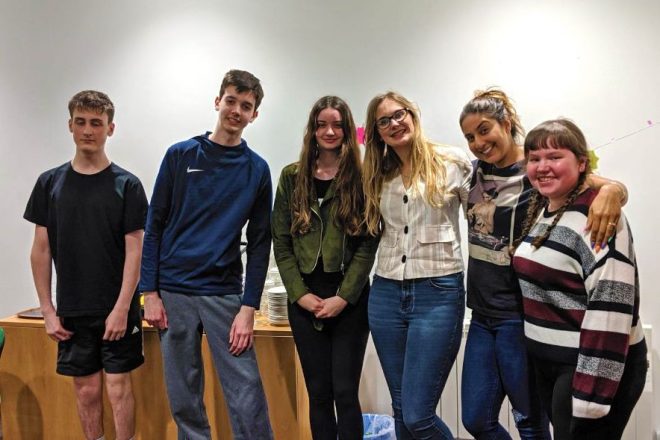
89 217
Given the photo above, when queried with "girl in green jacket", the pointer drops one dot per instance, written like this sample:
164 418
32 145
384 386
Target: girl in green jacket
324 258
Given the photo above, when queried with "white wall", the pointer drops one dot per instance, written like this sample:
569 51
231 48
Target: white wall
161 62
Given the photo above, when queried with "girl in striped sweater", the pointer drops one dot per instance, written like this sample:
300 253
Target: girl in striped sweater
581 306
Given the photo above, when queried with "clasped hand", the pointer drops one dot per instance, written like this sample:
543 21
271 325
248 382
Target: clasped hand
322 308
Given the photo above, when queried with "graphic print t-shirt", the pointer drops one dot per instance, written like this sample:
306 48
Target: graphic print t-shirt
497 206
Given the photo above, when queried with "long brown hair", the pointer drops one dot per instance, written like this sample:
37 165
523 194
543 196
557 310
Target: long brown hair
382 164
348 183
556 133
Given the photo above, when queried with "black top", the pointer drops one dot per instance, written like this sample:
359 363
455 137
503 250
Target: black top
87 217
321 186
497 207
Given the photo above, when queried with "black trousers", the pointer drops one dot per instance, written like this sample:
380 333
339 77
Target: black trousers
331 354
555 384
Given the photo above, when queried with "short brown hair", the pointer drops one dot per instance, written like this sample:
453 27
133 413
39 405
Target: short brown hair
556 133
92 100
559 133
244 82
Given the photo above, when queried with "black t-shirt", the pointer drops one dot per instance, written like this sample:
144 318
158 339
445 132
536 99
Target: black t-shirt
321 186
87 217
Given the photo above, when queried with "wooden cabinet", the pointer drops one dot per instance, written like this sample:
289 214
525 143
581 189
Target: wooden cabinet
39 404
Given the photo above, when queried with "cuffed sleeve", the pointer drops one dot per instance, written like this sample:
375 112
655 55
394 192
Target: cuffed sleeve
357 272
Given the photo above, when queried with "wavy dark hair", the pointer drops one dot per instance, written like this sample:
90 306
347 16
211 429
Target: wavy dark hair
495 104
349 212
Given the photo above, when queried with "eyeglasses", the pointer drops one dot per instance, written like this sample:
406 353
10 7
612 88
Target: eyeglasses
397 116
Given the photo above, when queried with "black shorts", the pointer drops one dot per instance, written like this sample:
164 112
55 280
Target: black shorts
87 353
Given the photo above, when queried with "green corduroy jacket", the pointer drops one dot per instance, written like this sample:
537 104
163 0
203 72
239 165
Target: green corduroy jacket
296 254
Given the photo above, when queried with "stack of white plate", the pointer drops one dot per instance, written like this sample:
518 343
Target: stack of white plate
277 306
263 305
274 275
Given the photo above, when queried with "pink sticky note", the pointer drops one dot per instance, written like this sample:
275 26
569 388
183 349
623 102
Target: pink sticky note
359 132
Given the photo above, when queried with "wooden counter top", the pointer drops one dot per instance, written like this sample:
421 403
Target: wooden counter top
37 403
261 325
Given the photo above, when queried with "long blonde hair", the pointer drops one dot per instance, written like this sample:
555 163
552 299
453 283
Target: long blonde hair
382 164
349 211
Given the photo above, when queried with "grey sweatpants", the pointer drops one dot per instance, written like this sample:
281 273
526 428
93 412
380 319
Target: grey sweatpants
239 376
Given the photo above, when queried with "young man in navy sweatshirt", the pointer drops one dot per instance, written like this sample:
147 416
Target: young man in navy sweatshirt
208 188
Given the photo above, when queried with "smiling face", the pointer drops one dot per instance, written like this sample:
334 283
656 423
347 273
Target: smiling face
554 171
329 132
398 135
490 140
90 130
236 110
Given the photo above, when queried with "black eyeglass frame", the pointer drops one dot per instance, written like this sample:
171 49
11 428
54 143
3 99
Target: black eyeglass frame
385 121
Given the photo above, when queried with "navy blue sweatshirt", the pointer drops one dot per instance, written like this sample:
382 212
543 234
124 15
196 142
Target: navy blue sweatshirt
203 196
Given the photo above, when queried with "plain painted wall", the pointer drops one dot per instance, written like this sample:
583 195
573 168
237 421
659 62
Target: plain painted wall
162 61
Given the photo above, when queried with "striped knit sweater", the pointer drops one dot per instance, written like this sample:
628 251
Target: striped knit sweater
581 308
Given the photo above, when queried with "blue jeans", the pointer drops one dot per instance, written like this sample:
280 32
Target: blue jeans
496 365
416 327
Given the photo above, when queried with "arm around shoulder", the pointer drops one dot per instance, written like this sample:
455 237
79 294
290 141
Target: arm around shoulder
605 210
463 173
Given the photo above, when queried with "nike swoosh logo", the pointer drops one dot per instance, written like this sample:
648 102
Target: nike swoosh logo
192 170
